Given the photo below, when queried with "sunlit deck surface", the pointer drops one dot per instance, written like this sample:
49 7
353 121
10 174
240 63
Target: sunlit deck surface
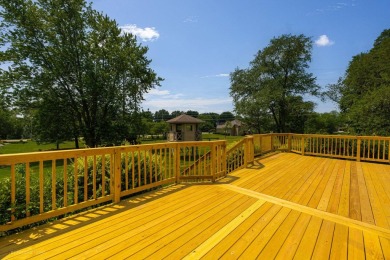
284 206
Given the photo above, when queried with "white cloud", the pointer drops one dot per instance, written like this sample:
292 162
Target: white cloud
165 94
199 104
146 34
221 75
191 19
158 92
323 41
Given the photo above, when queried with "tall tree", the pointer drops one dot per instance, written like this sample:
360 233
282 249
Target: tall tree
276 75
161 115
364 93
80 58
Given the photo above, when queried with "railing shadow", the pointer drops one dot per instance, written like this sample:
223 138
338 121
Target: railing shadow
36 235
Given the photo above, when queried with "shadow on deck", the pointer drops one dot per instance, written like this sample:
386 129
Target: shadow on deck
283 206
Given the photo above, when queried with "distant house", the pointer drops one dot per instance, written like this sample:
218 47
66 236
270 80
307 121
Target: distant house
233 128
184 128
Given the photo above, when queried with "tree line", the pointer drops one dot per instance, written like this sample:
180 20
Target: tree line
268 95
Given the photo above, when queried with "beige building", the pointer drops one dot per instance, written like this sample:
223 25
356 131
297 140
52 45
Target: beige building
184 128
233 128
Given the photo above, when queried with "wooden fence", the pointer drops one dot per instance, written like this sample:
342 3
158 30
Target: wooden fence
48 184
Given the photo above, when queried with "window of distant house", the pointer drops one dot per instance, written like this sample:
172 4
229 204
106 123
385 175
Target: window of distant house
189 127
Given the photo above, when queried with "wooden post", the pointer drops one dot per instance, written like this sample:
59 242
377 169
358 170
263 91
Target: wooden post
359 142
249 152
272 142
289 137
117 175
224 163
213 160
303 145
177 163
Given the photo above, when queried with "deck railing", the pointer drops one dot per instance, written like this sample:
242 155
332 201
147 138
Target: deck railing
48 184
360 148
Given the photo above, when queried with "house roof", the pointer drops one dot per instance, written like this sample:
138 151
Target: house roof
185 119
233 123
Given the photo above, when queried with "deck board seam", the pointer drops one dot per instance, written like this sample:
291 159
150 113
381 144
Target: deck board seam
383 232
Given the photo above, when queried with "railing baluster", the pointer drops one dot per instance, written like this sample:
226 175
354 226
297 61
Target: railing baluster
13 192
65 182
103 174
28 196
53 185
94 177
41 199
85 178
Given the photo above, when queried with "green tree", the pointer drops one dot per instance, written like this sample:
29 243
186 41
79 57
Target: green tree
364 93
208 123
193 113
161 115
78 56
277 74
323 123
176 113
226 116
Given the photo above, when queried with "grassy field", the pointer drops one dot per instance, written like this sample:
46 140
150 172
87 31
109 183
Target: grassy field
32 146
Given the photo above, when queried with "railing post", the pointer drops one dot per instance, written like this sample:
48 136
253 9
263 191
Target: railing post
117 175
177 163
303 145
272 142
213 161
224 158
248 156
359 142
289 137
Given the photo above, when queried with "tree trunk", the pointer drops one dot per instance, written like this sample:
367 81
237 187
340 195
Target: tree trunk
76 142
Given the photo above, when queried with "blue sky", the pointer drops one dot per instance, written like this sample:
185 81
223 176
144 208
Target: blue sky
195 44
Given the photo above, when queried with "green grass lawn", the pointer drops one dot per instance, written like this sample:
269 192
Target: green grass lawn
32 146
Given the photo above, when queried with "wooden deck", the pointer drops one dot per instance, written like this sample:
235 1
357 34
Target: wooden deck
285 206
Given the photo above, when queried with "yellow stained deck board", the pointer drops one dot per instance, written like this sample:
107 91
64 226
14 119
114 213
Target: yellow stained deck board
285 183
119 238
107 230
212 221
236 249
261 240
308 242
355 244
334 200
373 249
325 198
319 190
365 204
340 242
345 189
289 247
324 240
302 195
218 250
377 210
222 233
385 244
354 196
384 232
380 190
73 220
275 243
